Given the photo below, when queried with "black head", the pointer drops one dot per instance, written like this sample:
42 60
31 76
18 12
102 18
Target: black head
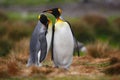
55 11
43 19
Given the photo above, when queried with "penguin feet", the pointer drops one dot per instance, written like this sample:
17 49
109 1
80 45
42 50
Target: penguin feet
55 66
38 65
28 65
67 69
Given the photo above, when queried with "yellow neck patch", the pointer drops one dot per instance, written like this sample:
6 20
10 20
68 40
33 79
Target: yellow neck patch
50 23
59 20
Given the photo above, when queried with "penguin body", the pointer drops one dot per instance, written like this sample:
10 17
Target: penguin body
63 42
49 36
38 42
63 45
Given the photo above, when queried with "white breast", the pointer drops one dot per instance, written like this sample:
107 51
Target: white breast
63 45
49 37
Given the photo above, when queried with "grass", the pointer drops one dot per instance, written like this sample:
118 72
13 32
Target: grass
112 18
5 46
3 15
100 50
91 27
86 78
69 78
92 24
2 31
13 29
12 67
31 2
22 16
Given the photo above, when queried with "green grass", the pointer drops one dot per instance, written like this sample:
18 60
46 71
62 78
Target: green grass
111 18
5 46
99 65
32 2
2 30
22 16
72 77
90 77
13 16
81 53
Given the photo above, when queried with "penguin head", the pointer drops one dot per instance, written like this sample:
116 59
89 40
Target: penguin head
55 11
43 19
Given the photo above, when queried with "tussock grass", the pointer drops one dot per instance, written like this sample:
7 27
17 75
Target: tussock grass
116 36
95 20
14 65
13 68
99 49
114 60
116 22
20 51
99 24
3 16
11 32
82 32
2 31
19 33
103 50
5 46
113 69
91 27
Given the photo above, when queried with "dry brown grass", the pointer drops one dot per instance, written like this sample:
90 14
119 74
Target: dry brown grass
99 49
103 50
13 68
12 64
3 16
113 69
117 23
15 63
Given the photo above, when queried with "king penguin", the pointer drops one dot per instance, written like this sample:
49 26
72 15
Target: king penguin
40 41
80 47
62 41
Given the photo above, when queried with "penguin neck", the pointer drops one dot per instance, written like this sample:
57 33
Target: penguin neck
59 19
50 25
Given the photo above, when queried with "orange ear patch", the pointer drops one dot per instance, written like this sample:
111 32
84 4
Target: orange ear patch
38 17
60 10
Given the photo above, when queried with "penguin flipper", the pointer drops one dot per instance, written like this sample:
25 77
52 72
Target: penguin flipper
75 40
43 47
52 42
77 46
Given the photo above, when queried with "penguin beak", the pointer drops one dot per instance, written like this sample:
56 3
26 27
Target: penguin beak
48 11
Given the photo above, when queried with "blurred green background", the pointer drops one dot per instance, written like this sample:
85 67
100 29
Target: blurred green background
91 20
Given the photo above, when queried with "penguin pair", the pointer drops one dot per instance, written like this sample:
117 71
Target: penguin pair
59 36
62 40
